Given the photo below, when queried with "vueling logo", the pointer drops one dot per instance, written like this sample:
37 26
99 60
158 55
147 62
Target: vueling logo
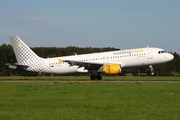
137 51
20 45
60 61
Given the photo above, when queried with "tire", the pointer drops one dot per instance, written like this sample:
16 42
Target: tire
93 77
99 77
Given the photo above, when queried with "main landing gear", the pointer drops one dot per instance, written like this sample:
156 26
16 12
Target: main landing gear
94 77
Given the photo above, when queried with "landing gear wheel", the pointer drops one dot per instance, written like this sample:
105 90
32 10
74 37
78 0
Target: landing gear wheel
93 77
99 77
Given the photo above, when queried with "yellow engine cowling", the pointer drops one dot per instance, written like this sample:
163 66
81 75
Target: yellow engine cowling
112 69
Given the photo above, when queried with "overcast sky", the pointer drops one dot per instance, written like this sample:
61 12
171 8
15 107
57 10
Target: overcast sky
121 24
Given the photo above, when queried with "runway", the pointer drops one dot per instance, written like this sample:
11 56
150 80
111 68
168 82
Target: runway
89 81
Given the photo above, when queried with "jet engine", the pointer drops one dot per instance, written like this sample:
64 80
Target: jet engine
112 69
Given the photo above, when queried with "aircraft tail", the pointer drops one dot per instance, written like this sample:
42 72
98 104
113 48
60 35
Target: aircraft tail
24 55
27 59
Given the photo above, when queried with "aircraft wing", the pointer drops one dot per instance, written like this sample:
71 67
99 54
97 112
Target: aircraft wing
86 65
91 65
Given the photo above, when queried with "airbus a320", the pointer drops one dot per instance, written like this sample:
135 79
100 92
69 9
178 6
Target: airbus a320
113 62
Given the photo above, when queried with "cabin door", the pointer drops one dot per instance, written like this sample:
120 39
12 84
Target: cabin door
149 53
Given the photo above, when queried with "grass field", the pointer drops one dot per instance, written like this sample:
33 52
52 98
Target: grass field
89 101
86 78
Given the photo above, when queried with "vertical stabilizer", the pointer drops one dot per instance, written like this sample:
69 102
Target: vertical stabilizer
24 55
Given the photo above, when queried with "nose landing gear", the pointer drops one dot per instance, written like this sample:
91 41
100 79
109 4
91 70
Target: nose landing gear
152 70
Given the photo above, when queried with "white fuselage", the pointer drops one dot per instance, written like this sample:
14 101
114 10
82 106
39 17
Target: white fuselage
126 58
108 62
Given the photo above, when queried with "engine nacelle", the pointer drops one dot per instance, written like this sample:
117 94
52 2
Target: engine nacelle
112 69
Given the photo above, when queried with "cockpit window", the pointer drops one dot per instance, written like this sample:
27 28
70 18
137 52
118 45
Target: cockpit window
160 52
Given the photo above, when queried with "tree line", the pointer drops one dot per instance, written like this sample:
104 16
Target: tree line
7 56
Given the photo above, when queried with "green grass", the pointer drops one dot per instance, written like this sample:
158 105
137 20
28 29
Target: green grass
86 78
90 101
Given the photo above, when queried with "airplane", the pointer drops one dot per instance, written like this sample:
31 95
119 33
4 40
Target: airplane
113 62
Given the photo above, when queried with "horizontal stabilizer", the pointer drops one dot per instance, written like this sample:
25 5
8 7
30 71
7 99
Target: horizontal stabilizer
16 66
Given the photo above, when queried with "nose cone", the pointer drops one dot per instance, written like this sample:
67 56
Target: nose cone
170 57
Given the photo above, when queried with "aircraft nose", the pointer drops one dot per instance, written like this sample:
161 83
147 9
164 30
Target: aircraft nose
170 57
